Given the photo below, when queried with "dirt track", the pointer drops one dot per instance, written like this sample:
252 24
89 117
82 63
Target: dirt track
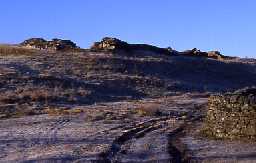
74 138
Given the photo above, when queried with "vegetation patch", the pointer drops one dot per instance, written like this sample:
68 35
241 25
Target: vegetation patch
148 110
62 111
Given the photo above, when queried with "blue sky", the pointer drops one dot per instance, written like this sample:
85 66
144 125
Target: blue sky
225 25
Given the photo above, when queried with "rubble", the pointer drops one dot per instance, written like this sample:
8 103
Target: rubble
232 115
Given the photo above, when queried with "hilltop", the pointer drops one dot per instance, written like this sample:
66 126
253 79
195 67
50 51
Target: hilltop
119 46
115 70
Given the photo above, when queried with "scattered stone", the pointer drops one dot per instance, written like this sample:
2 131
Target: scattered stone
232 115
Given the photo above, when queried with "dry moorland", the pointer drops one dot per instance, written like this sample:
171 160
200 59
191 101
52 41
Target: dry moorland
115 104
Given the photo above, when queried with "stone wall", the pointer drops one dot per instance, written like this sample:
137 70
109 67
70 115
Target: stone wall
232 115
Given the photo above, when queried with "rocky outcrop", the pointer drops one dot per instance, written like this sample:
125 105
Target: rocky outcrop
232 115
58 44
115 45
109 44
54 44
37 43
215 55
197 53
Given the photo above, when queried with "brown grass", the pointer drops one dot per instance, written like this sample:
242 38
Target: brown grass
26 110
64 111
148 110
15 50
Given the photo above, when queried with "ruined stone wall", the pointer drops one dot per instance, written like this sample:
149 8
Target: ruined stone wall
232 115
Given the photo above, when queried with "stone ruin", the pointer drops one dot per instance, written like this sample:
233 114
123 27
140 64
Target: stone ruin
54 44
109 44
232 115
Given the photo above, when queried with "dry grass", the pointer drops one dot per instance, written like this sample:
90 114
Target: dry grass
15 50
26 110
62 111
25 96
95 116
148 110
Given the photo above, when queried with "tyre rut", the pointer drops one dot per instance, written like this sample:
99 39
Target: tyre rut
135 132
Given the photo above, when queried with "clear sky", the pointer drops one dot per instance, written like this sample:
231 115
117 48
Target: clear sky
225 25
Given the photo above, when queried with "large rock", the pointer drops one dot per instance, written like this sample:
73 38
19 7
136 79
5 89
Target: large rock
54 44
232 115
